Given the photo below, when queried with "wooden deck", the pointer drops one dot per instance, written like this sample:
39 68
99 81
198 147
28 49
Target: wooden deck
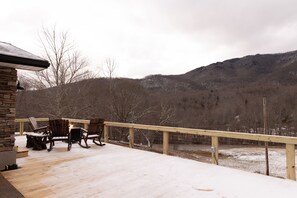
115 171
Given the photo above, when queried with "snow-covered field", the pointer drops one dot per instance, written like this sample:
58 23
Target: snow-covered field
252 159
247 158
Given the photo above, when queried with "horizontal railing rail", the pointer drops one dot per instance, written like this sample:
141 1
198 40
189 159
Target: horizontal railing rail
290 142
216 133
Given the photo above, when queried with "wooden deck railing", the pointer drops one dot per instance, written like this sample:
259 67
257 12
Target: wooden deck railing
290 142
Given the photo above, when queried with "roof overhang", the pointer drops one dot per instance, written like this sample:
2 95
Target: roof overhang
23 63
14 57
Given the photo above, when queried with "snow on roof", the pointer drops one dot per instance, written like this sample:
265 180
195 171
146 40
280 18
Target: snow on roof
12 56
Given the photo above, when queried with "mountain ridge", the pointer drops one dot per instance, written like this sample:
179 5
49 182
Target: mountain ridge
279 68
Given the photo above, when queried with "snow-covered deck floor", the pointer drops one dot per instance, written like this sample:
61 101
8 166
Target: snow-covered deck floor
115 171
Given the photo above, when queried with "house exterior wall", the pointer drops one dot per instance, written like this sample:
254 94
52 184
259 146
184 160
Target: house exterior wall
8 78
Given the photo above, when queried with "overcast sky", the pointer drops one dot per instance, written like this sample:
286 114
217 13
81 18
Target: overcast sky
156 36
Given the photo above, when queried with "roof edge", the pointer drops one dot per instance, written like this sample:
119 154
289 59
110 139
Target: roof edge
24 61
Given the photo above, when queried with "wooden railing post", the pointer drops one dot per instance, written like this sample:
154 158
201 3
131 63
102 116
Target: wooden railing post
131 137
165 142
290 155
22 126
215 150
86 126
105 133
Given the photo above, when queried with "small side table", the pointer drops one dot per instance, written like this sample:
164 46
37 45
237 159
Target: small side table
76 134
36 140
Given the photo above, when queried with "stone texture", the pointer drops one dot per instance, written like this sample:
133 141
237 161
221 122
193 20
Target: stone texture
8 78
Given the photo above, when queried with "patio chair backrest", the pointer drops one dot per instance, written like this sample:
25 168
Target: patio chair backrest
96 126
33 123
59 127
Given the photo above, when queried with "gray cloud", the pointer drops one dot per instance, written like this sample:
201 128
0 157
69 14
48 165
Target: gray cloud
167 36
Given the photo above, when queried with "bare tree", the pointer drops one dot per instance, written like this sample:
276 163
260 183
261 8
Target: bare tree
109 68
67 63
165 115
128 104
67 66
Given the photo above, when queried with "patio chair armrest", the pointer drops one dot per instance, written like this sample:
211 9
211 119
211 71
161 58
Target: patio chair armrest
41 128
84 130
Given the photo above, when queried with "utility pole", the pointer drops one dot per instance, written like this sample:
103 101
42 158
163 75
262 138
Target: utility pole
265 132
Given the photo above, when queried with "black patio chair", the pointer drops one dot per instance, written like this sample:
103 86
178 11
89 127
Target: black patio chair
59 131
94 132
38 138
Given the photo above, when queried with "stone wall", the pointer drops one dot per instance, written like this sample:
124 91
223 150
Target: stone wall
8 78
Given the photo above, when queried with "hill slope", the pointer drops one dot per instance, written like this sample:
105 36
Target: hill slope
249 70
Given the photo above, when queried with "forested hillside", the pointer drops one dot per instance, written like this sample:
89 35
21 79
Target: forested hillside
225 95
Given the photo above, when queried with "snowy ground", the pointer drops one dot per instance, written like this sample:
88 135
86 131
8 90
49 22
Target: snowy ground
247 158
253 159
117 171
